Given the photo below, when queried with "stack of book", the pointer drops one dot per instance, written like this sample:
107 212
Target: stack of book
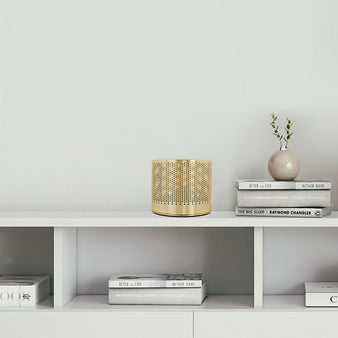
162 289
283 198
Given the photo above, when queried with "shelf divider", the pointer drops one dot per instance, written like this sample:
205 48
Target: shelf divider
65 265
258 267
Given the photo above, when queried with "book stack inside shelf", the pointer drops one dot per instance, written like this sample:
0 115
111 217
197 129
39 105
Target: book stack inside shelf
283 198
22 291
161 289
321 294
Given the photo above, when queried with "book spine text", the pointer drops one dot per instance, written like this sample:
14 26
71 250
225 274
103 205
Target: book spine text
137 283
283 212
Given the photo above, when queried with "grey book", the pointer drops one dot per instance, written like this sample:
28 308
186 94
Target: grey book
157 296
282 185
284 212
283 198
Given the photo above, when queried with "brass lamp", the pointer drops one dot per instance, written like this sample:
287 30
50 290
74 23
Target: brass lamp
181 187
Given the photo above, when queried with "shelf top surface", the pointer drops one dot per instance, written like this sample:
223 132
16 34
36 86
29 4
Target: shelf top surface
279 303
148 219
100 302
216 303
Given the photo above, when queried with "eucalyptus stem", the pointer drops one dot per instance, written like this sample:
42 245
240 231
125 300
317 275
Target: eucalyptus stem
280 136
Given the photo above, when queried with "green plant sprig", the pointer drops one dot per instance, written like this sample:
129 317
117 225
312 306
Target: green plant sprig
280 136
288 132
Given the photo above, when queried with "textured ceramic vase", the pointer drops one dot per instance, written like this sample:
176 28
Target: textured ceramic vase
283 165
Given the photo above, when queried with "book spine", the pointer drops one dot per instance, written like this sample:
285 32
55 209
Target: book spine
18 295
278 185
283 212
22 295
321 299
139 283
164 296
283 198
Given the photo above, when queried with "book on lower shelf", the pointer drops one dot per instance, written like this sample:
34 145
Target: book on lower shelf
22 291
321 294
158 296
157 289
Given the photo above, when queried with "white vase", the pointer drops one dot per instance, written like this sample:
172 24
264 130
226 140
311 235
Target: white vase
283 165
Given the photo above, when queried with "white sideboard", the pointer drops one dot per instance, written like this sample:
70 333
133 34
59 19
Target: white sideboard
80 247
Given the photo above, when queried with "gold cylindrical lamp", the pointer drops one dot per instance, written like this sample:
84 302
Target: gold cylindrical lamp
181 187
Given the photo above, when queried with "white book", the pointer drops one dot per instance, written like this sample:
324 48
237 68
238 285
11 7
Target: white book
284 198
282 185
177 280
321 294
283 212
23 291
158 296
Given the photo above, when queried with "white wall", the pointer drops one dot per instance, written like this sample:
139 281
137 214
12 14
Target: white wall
92 91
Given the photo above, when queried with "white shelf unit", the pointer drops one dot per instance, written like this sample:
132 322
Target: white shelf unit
76 236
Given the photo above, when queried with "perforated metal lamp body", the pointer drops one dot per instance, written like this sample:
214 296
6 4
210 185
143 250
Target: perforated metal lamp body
181 187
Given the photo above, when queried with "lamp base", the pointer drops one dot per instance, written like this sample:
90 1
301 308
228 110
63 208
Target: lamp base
181 210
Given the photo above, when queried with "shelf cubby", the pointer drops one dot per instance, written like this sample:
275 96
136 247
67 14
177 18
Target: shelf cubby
90 255
293 256
28 251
